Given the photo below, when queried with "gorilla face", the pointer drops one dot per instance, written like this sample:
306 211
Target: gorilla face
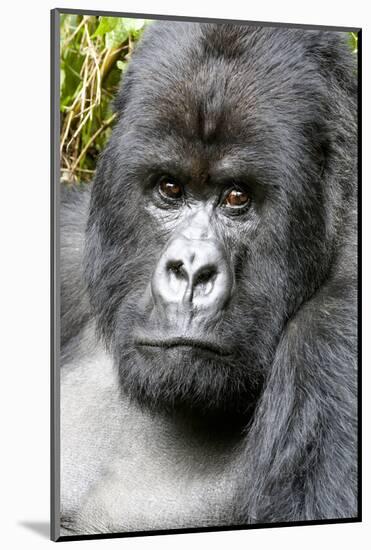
210 222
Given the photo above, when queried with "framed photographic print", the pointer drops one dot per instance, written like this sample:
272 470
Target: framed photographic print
205 192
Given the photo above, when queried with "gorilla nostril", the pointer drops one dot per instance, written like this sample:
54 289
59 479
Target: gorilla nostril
177 269
205 275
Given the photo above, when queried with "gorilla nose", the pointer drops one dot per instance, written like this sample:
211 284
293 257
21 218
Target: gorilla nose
194 272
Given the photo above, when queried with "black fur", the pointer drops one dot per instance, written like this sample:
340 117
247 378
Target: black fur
281 104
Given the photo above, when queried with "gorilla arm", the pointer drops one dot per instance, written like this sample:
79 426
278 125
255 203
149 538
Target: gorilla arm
303 442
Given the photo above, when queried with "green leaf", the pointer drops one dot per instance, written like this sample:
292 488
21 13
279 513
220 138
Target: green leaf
123 29
62 79
115 38
121 65
106 24
353 41
133 25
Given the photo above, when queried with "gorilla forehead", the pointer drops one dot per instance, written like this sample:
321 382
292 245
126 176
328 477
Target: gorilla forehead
200 93
216 68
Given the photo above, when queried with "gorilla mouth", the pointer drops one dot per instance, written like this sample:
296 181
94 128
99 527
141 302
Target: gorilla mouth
179 341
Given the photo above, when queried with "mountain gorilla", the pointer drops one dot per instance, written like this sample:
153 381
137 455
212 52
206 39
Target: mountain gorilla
209 289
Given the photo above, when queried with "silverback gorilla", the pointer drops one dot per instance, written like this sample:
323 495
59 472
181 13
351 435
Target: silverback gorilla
208 286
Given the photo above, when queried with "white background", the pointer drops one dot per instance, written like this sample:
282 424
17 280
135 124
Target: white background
24 269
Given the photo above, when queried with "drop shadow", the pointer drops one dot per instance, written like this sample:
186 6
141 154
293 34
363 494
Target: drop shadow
42 528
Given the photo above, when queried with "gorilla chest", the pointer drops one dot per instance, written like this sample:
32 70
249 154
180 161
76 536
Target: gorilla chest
149 491
124 469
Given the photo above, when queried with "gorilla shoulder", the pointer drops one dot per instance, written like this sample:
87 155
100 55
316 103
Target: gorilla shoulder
75 308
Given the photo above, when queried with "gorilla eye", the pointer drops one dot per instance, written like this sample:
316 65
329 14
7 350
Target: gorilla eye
236 199
170 189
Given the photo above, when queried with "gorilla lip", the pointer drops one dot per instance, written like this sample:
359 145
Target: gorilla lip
182 342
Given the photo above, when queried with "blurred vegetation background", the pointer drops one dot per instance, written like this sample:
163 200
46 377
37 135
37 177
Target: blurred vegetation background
94 54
